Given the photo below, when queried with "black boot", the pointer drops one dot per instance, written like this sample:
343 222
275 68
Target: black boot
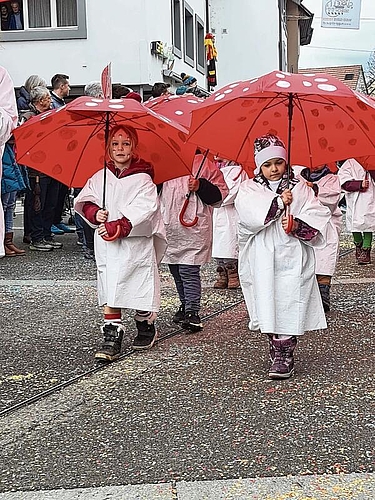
146 335
325 294
111 347
179 315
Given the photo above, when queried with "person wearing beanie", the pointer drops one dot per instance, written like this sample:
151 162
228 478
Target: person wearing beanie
189 86
277 262
134 95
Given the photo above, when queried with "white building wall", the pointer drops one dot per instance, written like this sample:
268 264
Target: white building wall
246 37
119 33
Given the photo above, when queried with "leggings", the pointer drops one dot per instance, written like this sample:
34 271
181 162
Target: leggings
364 239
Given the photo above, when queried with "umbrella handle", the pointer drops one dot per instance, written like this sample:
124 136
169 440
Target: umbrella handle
182 213
115 236
290 223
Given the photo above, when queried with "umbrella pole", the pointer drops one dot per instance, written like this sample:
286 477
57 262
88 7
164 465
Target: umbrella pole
106 135
186 202
288 167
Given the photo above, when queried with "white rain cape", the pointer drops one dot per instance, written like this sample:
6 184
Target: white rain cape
8 121
225 218
277 270
128 275
189 245
360 205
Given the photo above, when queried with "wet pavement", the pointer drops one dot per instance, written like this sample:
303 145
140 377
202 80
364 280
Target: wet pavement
195 417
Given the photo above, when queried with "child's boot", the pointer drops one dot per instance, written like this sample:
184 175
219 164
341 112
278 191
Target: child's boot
233 279
358 251
111 347
283 362
365 257
192 322
325 295
146 332
179 315
222 279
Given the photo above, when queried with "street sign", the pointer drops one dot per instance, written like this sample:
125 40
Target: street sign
344 14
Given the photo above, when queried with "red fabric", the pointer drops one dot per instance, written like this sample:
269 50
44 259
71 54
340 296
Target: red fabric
89 210
136 167
330 121
68 143
124 224
112 316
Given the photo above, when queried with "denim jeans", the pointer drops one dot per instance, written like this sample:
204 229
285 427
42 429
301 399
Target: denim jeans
188 284
9 202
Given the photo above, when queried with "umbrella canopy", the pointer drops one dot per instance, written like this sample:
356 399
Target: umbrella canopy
317 116
68 143
176 107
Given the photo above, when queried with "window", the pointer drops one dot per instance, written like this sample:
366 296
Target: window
43 19
188 35
349 76
176 27
199 43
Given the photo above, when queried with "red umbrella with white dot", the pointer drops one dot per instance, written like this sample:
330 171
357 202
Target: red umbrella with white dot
68 143
319 118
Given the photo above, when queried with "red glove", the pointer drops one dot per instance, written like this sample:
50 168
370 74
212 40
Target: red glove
125 227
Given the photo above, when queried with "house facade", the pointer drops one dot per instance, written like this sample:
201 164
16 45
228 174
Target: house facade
145 41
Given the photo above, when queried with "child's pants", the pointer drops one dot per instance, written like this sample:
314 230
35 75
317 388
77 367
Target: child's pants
188 284
364 239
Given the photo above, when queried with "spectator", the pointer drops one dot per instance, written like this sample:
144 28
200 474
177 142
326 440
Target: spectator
40 200
160 88
33 81
16 17
60 90
5 17
93 89
119 91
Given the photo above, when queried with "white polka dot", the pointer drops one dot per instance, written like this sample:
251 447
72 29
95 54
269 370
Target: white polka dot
307 84
98 100
283 85
280 75
91 104
308 74
112 100
254 80
219 97
245 89
228 91
326 87
178 112
321 79
116 106
233 85
192 101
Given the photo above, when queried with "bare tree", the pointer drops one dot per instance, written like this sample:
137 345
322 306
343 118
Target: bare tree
370 73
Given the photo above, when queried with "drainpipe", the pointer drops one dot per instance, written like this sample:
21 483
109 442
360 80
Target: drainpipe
280 3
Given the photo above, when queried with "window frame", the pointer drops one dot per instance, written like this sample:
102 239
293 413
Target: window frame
189 59
65 33
177 49
199 25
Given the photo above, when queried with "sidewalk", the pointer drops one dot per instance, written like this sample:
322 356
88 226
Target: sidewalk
194 418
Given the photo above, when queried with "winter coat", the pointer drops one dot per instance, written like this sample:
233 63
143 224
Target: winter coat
14 176
23 100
